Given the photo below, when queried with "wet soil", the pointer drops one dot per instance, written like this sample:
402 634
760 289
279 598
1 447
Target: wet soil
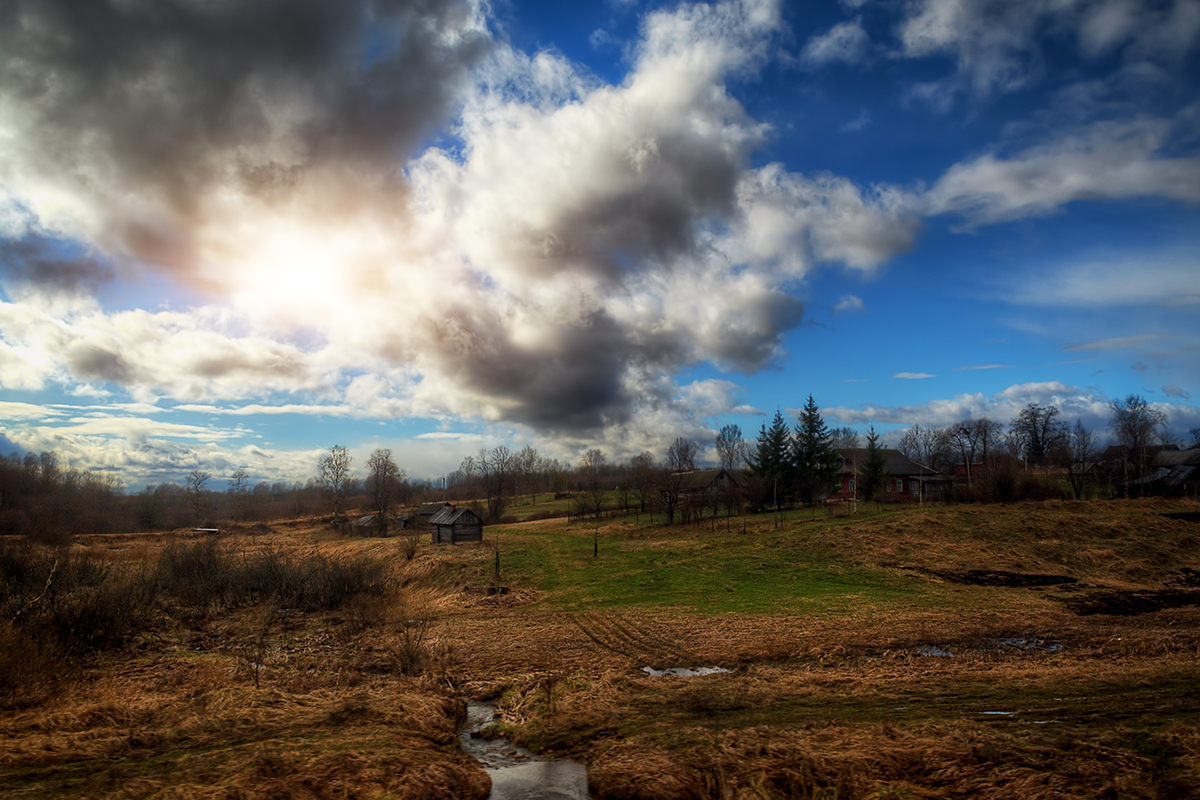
1015 580
1123 604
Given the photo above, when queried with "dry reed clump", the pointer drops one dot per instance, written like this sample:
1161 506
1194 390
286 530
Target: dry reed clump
865 761
189 726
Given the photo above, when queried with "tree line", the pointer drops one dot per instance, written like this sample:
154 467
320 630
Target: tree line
786 464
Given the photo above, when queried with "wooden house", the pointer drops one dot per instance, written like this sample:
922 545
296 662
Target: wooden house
420 518
455 526
905 478
1173 472
707 481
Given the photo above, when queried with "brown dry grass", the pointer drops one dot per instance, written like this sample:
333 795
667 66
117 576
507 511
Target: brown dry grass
255 702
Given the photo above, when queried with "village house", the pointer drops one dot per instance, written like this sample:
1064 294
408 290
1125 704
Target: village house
905 479
706 482
1172 472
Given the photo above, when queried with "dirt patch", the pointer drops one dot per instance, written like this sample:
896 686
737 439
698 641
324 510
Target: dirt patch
1123 604
1184 516
1013 580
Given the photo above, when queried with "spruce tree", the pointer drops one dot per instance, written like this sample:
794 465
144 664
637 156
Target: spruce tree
874 471
772 458
816 461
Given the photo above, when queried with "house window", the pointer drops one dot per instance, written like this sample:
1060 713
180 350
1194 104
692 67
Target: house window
900 486
851 485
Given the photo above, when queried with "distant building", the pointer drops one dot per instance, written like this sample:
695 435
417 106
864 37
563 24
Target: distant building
455 526
706 481
905 478
1172 472
420 518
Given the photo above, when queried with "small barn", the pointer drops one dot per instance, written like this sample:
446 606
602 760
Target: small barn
706 481
420 518
455 526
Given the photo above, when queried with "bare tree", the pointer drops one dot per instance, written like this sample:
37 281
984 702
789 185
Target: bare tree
844 438
496 469
681 458
197 496
384 479
1134 424
1080 450
527 463
731 449
238 487
334 468
1039 433
1195 434
974 438
641 478
591 469
681 455
930 447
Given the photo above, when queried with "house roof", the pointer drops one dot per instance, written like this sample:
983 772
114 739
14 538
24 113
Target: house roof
1118 451
427 509
896 463
700 479
1178 458
450 515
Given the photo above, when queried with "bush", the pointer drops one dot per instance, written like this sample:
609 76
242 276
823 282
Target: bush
31 668
206 574
71 600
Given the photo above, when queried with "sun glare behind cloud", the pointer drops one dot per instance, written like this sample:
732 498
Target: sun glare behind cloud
296 278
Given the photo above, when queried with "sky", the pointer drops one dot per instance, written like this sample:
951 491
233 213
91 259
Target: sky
235 234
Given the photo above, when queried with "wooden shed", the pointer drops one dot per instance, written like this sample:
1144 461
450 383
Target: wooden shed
455 526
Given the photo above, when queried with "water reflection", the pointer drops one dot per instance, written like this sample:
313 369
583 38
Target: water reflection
516 773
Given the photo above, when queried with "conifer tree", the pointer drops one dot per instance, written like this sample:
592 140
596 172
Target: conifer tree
772 458
816 461
874 471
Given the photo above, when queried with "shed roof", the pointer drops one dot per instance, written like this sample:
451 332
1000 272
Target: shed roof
1178 458
450 515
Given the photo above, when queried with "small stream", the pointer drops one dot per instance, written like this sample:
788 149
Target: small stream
516 773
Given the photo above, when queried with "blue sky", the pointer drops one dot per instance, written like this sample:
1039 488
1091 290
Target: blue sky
232 236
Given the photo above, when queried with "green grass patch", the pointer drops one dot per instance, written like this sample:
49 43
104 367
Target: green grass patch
776 571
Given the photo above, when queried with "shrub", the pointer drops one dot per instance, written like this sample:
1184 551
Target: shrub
206 574
71 601
31 667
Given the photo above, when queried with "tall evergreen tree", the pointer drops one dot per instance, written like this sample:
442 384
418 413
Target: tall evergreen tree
816 461
772 458
874 472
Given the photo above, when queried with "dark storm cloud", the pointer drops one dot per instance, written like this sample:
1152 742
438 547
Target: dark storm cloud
166 99
43 264
95 363
570 380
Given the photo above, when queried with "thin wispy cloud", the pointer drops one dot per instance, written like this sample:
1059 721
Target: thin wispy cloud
1117 343
849 303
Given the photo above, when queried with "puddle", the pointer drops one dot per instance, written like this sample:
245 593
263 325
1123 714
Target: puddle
683 672
516 773
991 646
933 650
